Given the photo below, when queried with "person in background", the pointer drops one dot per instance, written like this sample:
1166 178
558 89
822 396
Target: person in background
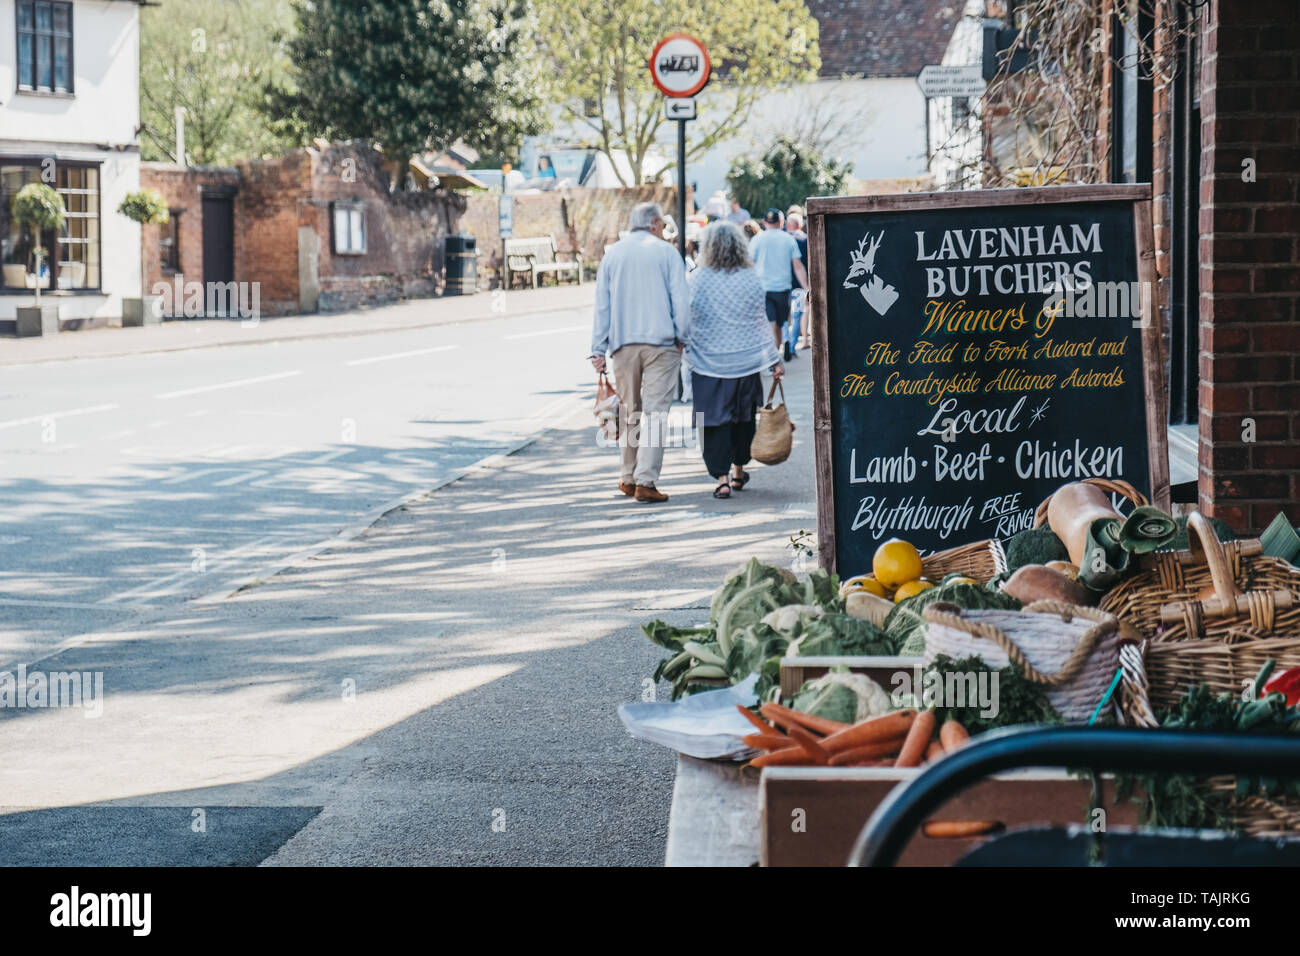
751 229
716 206
545 169
737 215
727 348
776 254
642 320
798 297
795 209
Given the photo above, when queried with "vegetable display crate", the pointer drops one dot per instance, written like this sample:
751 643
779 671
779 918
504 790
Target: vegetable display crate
796 670
811 816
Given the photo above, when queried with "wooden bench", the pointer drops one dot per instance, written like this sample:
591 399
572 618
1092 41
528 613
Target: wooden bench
534 257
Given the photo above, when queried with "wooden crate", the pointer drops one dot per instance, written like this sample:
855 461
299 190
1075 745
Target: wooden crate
836 802
796 670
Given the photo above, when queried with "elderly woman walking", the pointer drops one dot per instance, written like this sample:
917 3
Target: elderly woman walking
730 343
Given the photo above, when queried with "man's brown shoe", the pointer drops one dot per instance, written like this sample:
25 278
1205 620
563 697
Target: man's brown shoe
649 493
627 488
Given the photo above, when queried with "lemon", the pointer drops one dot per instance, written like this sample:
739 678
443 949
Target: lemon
962 580
863 582
911 589
896 562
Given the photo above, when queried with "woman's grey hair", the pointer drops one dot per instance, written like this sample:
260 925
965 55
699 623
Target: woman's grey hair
724 247
644 215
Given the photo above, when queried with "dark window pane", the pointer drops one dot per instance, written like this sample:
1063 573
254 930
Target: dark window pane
62 18
43 18
44 72
26 62
62 62
25 16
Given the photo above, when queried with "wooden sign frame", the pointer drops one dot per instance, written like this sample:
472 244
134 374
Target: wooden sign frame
1152 341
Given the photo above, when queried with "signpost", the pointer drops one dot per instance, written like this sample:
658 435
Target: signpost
938 80
679 66
980 349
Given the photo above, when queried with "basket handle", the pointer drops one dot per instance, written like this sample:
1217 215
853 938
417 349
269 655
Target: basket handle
1228 601
1114 485
776 383
949 615
1202 539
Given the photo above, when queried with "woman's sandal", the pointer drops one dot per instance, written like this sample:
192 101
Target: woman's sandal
722 486
738 484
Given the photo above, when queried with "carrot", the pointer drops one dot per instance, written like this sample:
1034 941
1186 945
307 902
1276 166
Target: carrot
883 748
763 726
886 727
767 741
785 717
934 751
918 739
952 735
790 756
959 829
809 743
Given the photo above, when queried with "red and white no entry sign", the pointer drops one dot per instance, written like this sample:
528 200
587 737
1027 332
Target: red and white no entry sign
679 65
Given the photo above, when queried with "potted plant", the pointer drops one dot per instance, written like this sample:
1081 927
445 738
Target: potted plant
39 208
148 208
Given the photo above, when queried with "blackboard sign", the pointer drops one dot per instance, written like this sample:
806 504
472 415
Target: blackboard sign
974 352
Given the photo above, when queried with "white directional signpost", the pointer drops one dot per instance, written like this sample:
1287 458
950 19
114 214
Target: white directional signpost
679 66
940 80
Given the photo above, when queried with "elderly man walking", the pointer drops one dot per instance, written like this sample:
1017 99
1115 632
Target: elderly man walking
642 321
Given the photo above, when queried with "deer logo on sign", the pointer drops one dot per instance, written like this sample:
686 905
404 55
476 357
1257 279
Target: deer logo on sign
879 294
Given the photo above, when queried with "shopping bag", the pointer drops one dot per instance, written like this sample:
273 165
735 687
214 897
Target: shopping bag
774 433
606 407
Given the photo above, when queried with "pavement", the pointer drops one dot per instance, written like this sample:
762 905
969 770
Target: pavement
438 688
181 335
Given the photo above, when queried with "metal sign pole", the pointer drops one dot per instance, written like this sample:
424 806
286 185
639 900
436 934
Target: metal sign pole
681 187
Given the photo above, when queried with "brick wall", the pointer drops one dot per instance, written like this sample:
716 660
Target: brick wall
180 186
1250 266
404 231
580 219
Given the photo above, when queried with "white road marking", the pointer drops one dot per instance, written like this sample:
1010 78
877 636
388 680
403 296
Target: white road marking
235 384
76 605
37 419
529 335
168 584
397 355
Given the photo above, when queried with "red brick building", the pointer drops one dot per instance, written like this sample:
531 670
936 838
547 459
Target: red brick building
1202 100
316 229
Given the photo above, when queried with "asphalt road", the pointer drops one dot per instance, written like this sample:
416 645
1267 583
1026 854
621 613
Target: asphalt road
134 484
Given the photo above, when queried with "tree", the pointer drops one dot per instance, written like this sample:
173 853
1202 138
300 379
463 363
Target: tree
412 75
215 58
600 53
40 208
789 172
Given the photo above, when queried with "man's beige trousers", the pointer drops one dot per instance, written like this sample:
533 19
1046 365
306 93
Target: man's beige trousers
645 377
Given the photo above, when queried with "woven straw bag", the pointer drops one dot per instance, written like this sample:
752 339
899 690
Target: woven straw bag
1210 615
774 433
1073 651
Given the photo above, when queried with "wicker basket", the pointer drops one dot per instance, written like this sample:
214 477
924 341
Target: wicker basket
1210 615
984 560
1254 815
1077 647
981 560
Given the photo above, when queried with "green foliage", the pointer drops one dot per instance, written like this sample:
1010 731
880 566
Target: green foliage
145 206
1020 700
789 172
599 55
215 58
412 75
38 207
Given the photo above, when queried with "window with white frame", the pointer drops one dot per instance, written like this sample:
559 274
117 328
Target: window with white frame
350 228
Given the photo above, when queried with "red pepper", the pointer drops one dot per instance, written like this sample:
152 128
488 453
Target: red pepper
1288 683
